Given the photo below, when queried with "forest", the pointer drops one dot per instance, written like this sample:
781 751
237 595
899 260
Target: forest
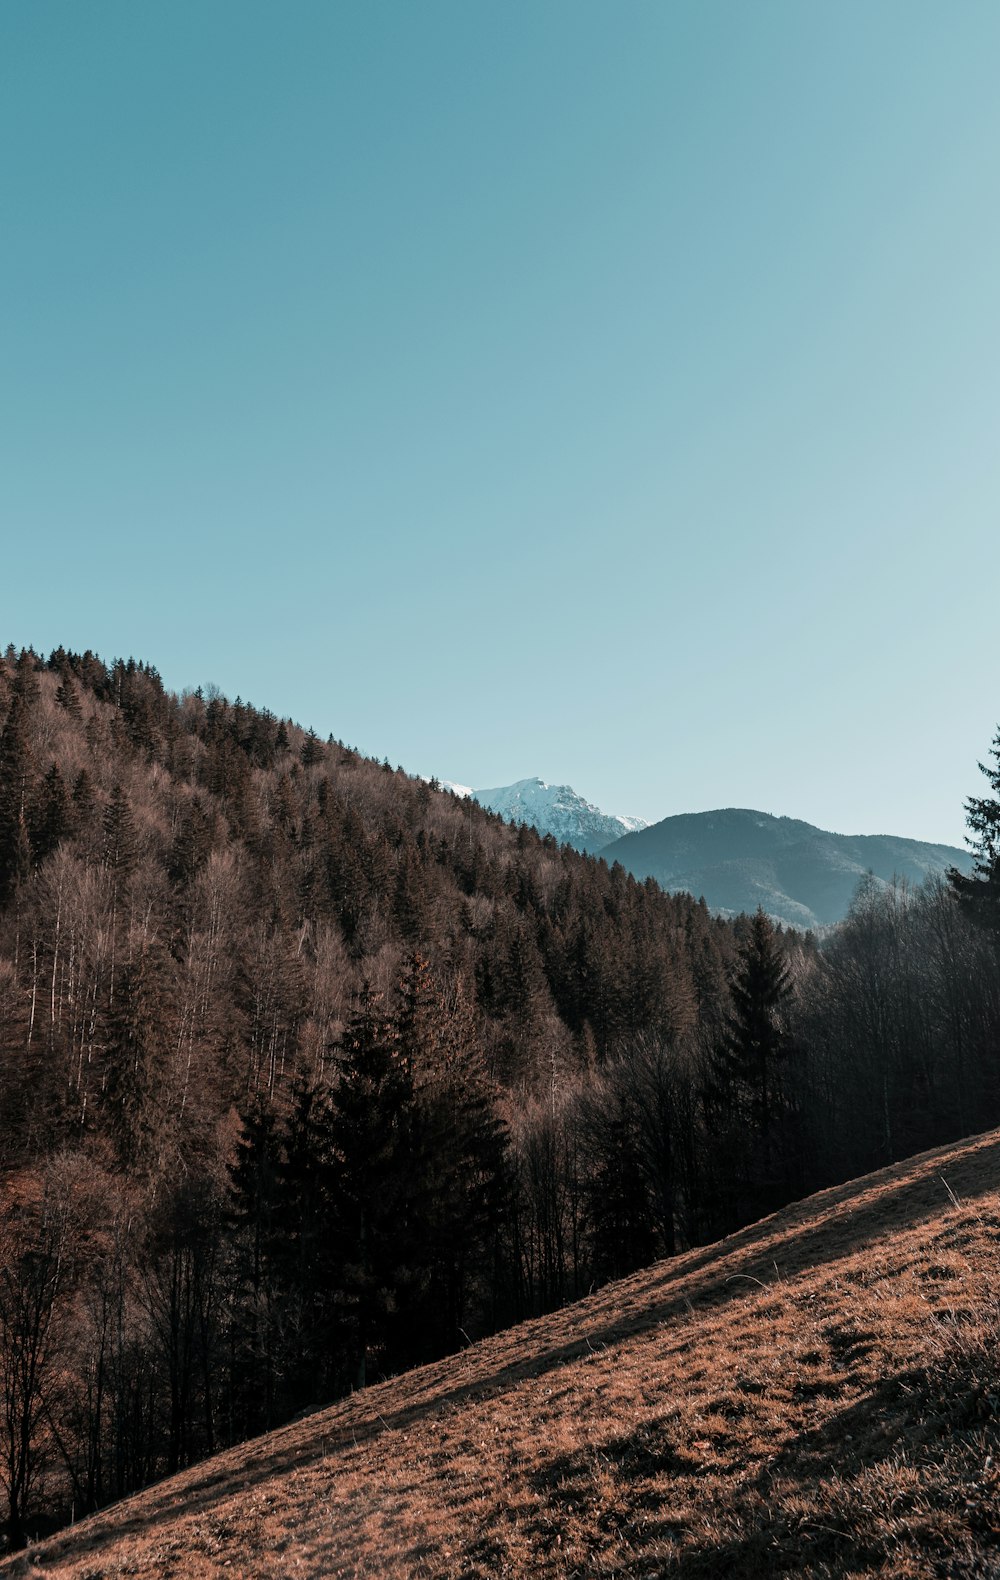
311 1071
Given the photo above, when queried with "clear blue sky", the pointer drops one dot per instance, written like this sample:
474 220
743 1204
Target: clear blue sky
603 391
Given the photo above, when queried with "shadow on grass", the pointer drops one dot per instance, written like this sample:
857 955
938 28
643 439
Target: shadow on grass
902 1196
908 1416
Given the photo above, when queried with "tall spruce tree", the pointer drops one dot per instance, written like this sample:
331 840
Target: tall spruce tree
134 1059
15 802
66 697
979 892
758 1039
308 1257
52 820
261 1230
371 1154
120 842
456 1162
745 1094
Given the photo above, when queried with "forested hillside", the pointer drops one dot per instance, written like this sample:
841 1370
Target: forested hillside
815 1396
311 1071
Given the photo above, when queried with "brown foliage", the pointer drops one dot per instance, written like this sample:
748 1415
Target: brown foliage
817 1395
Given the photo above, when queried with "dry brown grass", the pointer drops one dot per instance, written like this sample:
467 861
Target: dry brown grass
817 1394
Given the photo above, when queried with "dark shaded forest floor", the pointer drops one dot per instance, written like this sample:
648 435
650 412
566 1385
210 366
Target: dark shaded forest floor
818 1394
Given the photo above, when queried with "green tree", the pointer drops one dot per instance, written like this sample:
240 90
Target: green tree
312 750
192 843
134 1058
745 1098
53 818
66 697
84 800
619 1214
979 892
261 1232
455 1164
15 798
371 1146
308 1258
758 1038
121 850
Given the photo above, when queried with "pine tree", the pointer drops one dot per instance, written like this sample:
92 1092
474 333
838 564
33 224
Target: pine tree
66 697
26 677
53 815
371 1140
15 793
745 1099
261 1229
84 801
758 1038
307 1258
134 1056
312 750
121 850
456 1163
618 1206
192 843
979 892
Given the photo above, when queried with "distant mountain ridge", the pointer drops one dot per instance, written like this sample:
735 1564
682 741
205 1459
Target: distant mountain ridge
735 857
803 876
554 809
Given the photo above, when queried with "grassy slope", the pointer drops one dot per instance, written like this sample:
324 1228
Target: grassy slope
817 1393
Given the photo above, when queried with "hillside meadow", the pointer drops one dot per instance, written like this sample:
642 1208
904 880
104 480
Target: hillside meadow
815 1394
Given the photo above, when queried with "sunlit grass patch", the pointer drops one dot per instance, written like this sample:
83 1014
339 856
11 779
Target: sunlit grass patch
818 1396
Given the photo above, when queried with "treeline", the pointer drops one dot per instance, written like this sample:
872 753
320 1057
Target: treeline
310 1071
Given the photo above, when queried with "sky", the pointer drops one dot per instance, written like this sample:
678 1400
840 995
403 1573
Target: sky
603 392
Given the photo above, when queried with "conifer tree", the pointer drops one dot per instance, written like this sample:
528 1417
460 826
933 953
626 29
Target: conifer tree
192 843
308 1257
312 750
66 697
371 1140
26 677
120 842
261 1229
83 801
134 1056
745 1097
15 789
758 1037
979 892
457 1159
618 1205
53 817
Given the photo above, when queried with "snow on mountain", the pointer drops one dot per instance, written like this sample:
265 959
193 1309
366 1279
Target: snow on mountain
738 858
557 810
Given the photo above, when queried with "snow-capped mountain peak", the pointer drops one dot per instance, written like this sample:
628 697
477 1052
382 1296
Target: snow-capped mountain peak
557 810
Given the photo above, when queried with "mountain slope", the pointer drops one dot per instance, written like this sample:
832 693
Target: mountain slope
817 1394
802 875
556 810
